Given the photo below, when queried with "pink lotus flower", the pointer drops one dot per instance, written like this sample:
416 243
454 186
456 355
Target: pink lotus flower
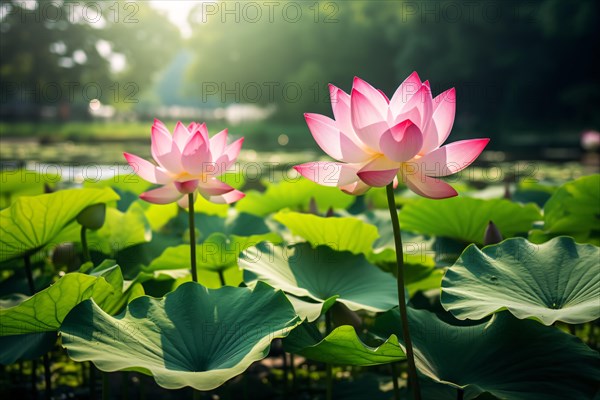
378 140
187 162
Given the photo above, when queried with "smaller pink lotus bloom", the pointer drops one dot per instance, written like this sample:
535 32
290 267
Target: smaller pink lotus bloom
377 140
187 162
590 140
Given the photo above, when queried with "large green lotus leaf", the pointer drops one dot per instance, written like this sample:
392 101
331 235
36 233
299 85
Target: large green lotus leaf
555 281
295 195
22 182
123 182
158 215
120 230
341 347
573 210
201 205
321 273
341 234
45 311
234 178
133 259
31 223
193 336
122 291
417 249
25 347
507 357
466 218
530 191
207 278
310 310
234 223
217 253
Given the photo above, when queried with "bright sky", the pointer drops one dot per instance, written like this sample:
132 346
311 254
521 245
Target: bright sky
177 11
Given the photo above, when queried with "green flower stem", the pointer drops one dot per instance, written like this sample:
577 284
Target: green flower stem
84 245
222 277
192 237
394 367
412 369
329 368
29 273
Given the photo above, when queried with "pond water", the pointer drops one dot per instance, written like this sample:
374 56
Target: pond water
76 161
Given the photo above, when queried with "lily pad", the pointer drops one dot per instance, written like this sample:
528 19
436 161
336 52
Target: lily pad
45 311
310 310
321 273
295 195
466 218
554 281
573 210
507 357
31 223
120 230
193 336
339 233
341 347
217 253
234 223
129 182
122 291
417 249
23 182
158 215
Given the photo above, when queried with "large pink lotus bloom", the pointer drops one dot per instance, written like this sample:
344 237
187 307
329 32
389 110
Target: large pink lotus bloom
187 162
378 140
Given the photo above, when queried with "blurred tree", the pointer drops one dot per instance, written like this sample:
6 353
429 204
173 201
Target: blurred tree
516 65
68 52
288 55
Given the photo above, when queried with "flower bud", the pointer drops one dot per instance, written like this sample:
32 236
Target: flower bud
92 217
492 234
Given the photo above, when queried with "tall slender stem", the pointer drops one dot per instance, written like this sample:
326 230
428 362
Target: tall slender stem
412 369
284 366
329 368
84 245
29 274
192 237
222 277
394 367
